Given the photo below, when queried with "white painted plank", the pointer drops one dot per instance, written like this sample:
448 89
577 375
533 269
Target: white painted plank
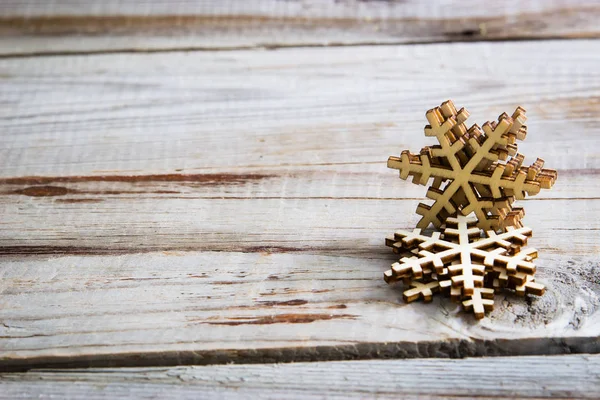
554 377
38 26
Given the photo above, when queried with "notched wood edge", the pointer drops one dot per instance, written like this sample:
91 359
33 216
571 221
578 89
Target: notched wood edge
360 351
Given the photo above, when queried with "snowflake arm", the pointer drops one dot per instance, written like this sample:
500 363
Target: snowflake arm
403 240
421 290
482 300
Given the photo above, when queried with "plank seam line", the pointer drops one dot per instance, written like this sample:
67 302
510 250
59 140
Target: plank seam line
263 47
450 349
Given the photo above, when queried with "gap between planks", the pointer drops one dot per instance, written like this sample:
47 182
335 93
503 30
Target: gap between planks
270 47
570 376
449 349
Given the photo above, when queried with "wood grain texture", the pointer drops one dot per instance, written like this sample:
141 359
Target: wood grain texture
174 308
63 26
209 207
553 377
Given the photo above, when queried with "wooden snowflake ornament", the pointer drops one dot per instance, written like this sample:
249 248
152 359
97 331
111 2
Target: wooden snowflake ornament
473 170
464 264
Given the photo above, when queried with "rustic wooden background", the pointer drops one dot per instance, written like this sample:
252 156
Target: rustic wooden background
205 183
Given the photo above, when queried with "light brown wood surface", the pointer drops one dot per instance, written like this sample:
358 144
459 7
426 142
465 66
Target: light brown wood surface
209 207
83 26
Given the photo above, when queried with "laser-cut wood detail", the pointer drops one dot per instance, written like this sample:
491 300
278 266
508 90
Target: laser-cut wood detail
464 264
474 170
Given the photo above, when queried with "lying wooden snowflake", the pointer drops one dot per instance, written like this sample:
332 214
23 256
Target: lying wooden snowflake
481 171
464 264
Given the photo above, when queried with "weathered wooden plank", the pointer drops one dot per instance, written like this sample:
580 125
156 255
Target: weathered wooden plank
246 110
129 223
38 26
257 181
172 308
570 377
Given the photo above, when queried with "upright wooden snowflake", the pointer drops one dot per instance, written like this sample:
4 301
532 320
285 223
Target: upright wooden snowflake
464 264
473 171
